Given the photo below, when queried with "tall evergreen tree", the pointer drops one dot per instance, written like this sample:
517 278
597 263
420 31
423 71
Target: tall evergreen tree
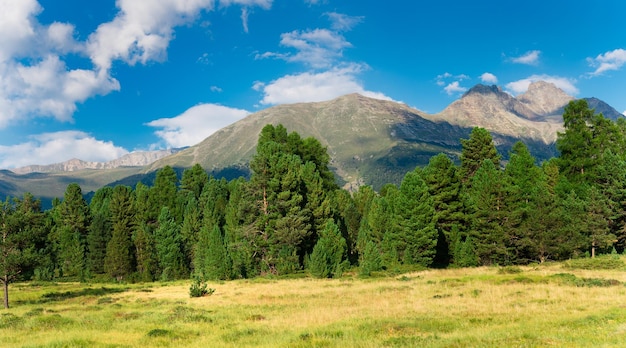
169 247
21 238
414 235
444 186
119 261
487 199
74 225
99 230
329 252
478 148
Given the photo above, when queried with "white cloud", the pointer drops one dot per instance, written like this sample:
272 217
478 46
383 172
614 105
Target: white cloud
342 22
612 60
141 30
528 58
195 124
58 147
313 87
454 87
318 48
521 86
47 88
488 78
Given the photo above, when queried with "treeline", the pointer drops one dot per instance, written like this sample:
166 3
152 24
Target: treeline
291 215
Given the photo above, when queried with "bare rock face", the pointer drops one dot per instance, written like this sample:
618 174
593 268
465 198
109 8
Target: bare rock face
497 111
544 99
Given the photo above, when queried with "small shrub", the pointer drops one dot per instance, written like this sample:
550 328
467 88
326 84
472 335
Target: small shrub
600 262
159 333
509 270
199 289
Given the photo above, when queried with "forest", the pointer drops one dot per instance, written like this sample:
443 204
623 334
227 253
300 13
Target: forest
290 215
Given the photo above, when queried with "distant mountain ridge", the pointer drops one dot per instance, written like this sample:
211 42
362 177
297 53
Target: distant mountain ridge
133 159
370 141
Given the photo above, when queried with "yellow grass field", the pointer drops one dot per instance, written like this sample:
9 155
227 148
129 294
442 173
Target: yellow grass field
534 306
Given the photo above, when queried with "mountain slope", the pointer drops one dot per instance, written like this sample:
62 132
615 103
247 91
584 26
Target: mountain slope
370 141
375 141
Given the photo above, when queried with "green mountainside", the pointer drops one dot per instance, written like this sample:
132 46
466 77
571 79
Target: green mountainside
370 141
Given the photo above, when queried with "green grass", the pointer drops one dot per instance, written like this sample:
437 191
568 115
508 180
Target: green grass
535 306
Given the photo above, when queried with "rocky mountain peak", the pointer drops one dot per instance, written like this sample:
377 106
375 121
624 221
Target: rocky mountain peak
483 90
544 98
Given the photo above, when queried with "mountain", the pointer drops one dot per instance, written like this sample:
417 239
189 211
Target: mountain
370 141
376 141
133 159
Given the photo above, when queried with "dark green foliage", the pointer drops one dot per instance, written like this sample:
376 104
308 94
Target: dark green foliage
413 235
22 237
119 261
169 248
487 200
477 149
99 230
329 253
370 261
199 289
211 257
73 225
444 186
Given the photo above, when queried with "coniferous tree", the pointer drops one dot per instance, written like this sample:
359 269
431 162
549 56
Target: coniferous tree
143 236
370 261
73 228
329 253
478 148
119 261
414 236
169 247
99 230
486 197
444 186
21 239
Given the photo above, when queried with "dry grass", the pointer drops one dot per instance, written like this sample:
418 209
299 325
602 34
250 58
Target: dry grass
435 308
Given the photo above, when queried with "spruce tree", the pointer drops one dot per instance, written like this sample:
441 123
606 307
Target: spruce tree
169 247
478 148
119 261
329 252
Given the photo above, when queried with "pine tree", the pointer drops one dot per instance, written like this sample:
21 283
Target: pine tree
73 227
486 198
119 262
370 261
478 148
444 186
328 253
99 230
169 247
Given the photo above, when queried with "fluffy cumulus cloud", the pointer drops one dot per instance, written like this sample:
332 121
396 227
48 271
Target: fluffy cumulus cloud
612 60
313 87
528 58
454 88
35 80
57 147
141 31
488 78
195 124
521 86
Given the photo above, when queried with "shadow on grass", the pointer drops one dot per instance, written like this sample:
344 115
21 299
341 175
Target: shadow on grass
65 295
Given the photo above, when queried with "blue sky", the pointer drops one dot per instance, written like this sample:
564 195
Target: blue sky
97 79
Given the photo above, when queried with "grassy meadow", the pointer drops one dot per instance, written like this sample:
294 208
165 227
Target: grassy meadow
534 306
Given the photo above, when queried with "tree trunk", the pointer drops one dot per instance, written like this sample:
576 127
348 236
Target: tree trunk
5 283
